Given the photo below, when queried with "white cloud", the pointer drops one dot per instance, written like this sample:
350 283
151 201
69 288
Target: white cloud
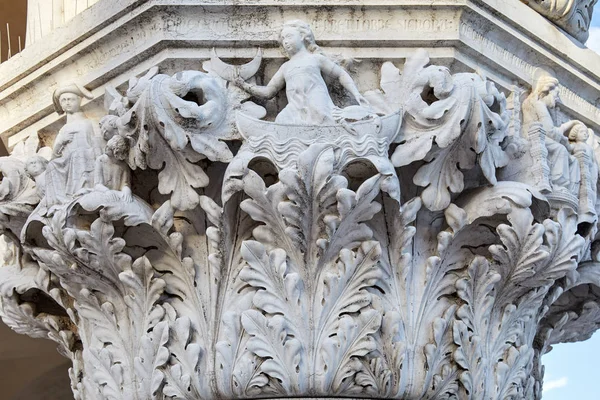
593 42
555 384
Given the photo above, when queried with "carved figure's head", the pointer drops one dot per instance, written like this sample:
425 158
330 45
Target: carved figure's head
579 133
35 166
70 103
109 126
67 99
546 89
117 147
296 35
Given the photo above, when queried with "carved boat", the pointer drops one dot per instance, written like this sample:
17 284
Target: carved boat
386 127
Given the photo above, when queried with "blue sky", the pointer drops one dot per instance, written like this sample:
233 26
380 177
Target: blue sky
572 369
594 40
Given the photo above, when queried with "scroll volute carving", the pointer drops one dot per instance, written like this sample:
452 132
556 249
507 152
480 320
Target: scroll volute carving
370 251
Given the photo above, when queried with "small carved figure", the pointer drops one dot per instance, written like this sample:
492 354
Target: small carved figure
564 169
578 137
112 194
36 169
309 102
75 148
111 171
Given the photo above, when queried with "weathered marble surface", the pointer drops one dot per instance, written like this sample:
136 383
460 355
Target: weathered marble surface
574 16
323 217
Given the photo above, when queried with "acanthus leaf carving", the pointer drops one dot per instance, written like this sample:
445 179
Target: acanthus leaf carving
451 122
371 250
170 129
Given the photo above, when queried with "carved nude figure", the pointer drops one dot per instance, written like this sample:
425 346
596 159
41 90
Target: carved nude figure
564 169
75 148
112 194
309 102
111 171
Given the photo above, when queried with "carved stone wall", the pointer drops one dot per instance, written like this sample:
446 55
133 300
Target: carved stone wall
278 201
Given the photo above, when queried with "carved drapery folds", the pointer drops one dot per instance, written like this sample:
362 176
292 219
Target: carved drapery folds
385 251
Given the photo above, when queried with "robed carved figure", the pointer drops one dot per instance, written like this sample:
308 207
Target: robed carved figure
75 148
564 169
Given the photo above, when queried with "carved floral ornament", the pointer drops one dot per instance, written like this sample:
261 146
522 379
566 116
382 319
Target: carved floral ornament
416 241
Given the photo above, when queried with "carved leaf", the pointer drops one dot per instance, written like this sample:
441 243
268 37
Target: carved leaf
442 375
263 207
344 287
105 373
564 246
344 293
99 250
143 293
280 294
21 318
178 176
283 354
354 339
522 252
171 134
153 355
279 291
237 368
180 277
240 367
374 379
513 374
469 357
478 291
102 321
463 122
311 190
184 380
347 229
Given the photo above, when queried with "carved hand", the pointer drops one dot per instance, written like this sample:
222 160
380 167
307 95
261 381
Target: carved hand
60 146
363 102
567 126
242 84
127 195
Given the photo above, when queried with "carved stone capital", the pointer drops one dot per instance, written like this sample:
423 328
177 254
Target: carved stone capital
297 225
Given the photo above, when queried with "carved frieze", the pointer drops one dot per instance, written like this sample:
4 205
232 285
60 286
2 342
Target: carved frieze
417 240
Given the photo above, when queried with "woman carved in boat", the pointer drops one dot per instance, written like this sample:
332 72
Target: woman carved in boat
309 102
